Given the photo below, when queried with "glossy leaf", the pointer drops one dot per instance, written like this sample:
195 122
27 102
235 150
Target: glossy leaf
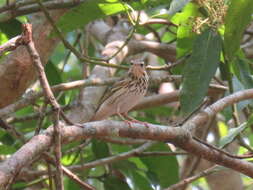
165 168
140 182
199 70
237 18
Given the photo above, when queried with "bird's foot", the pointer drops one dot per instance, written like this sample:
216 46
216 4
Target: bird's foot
129 123
140 122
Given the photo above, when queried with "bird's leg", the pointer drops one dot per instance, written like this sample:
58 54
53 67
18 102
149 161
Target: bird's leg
135 120
123 119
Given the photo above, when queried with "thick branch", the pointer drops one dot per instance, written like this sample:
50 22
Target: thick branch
177 136
147 102
19 9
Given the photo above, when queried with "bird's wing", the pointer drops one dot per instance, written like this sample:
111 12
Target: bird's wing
111 90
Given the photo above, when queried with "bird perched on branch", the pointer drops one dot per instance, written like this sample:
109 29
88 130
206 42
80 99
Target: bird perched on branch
124 94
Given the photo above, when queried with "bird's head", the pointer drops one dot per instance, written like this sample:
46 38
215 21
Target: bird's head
137 69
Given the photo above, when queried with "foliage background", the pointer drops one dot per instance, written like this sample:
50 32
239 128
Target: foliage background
212 40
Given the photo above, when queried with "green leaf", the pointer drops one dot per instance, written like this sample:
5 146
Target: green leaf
237 18
242 72
165 168
185 36
70 184
199 70
11 28
88 11
19 185
53 74
177 5
140 182
238 86
160 110
138 179
232 133
54 77
5 149
100 149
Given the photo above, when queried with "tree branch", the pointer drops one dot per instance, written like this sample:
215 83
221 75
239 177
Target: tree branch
178 136
51 99
19 9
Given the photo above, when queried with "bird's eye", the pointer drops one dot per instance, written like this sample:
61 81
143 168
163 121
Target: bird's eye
131 63
142 64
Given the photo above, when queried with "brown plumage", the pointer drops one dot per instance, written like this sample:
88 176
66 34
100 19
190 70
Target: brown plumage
124 94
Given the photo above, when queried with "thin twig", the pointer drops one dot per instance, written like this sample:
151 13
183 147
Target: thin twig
13 43
96 82
30 98
12 130
70 47
41 118
77 179
69 173
157 21
10 45
128 38
69 52
50 181
80 146
162 153
222 151
51 99
14 10
193 178
108 160
33 116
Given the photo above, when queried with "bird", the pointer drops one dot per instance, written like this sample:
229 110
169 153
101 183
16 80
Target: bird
124 94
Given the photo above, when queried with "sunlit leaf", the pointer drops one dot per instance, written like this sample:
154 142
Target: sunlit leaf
185 36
